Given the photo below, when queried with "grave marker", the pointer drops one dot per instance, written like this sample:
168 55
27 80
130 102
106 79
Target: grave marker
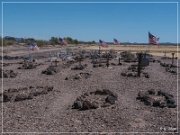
139 63
107 62
173 59
164 54
119 61
145 60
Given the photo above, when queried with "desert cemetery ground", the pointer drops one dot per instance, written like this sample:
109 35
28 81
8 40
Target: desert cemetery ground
79 89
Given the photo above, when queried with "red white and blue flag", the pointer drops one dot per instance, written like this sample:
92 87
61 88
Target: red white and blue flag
153 39
62 41
116 42
102 43
34 47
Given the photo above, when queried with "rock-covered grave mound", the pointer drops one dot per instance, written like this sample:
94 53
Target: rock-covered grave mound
51 70
157 98
169 68
128 56
7 73
95 99
79 76
132 71
79 67
6 57
5 64
29 65
20 94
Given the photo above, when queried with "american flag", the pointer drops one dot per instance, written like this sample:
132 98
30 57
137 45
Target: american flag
153 39
116 42
62 41
102 43
34 47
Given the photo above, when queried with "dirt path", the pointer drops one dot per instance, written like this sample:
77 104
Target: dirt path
59 105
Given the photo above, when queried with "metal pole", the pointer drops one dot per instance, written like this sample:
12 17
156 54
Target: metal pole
139 64
99 50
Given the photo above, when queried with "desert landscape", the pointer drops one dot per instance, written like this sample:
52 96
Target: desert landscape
75 88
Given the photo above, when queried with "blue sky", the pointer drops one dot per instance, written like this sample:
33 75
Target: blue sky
126 22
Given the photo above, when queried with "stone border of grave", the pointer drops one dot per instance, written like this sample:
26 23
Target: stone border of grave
20 94
51 70
29 65
84 103
7 73
157 98
171 68
79 67
80 76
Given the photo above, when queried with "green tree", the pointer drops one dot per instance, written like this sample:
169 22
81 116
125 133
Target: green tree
54 41
75 41
69 40
41 42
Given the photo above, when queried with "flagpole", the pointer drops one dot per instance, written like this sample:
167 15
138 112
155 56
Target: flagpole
99 49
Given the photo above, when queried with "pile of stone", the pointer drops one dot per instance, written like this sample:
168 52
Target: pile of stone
5 57
129 74
5 64
79 67
110 55
116 64
51 70
99 65
95 99
166 65
165 57
100 62
134 74
157 98
29 65
134 68
169 68
26 93
132 71
128 56
78 76
7 73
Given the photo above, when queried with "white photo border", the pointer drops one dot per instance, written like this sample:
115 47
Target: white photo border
2 13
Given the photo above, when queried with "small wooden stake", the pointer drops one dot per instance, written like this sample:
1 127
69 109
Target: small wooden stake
107 63
119 61
173 58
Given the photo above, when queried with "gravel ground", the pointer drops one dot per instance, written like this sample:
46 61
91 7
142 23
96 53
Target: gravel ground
52 112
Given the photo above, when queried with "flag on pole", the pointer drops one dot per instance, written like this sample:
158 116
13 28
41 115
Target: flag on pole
34 47
65 42
102 43
153 39
62 41
116 42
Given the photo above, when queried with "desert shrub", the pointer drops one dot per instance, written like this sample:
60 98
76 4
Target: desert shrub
41 42
54 41
8 42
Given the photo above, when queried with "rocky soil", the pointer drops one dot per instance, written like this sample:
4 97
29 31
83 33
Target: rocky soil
56 110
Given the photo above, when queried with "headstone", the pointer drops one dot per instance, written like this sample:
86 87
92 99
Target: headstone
145 60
